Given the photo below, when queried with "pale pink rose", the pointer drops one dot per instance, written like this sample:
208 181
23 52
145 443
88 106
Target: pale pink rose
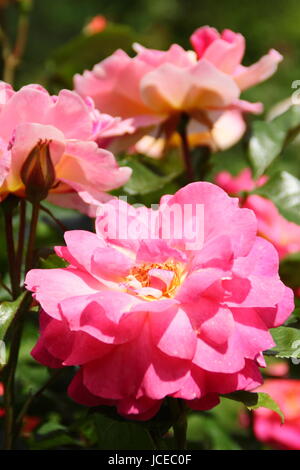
70 125
284 235
267 424
226 52
155 87
146 312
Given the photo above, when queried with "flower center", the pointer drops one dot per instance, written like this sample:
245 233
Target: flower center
154 280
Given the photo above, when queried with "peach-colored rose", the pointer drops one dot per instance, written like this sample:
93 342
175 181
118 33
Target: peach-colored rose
155 88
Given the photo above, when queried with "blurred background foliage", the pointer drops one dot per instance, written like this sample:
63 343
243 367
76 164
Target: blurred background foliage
57 48
157 23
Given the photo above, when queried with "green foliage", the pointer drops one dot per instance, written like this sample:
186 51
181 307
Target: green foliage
284 190
118 435
53 435
84 51
287 341
205 429
148 175
8 311
255 400
53 261
270 138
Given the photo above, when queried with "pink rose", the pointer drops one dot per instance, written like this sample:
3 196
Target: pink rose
284 235
163 302
155 87
70 125
267 424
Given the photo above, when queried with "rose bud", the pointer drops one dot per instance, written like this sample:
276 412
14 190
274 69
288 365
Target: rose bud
38 173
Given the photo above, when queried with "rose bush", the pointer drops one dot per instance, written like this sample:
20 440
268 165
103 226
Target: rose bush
145 317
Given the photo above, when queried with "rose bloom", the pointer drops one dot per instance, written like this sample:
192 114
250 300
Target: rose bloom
284 235
267 424
70 125
149 308
155 87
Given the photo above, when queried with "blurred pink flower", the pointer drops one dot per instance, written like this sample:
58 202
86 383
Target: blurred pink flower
147 313
155 87
70 125
267 424
284 235
277 369
96 25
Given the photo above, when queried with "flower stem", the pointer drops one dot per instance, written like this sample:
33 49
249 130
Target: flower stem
180 423
21 239
32 236
185 149
32 397
10 372
58 222
8 207
204 162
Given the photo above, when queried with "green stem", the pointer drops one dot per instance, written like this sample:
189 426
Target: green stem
22 224
4 286
10 372
33 397
58 222
204 162
180 423
32 236
185 149
11 255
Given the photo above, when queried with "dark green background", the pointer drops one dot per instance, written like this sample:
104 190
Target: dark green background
265 24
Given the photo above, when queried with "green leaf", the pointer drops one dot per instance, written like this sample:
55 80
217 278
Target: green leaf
121 435
55 441
284 190
143 179
7 313
53 261
290 270
204 430
269 139
287 341
255 400
51 427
